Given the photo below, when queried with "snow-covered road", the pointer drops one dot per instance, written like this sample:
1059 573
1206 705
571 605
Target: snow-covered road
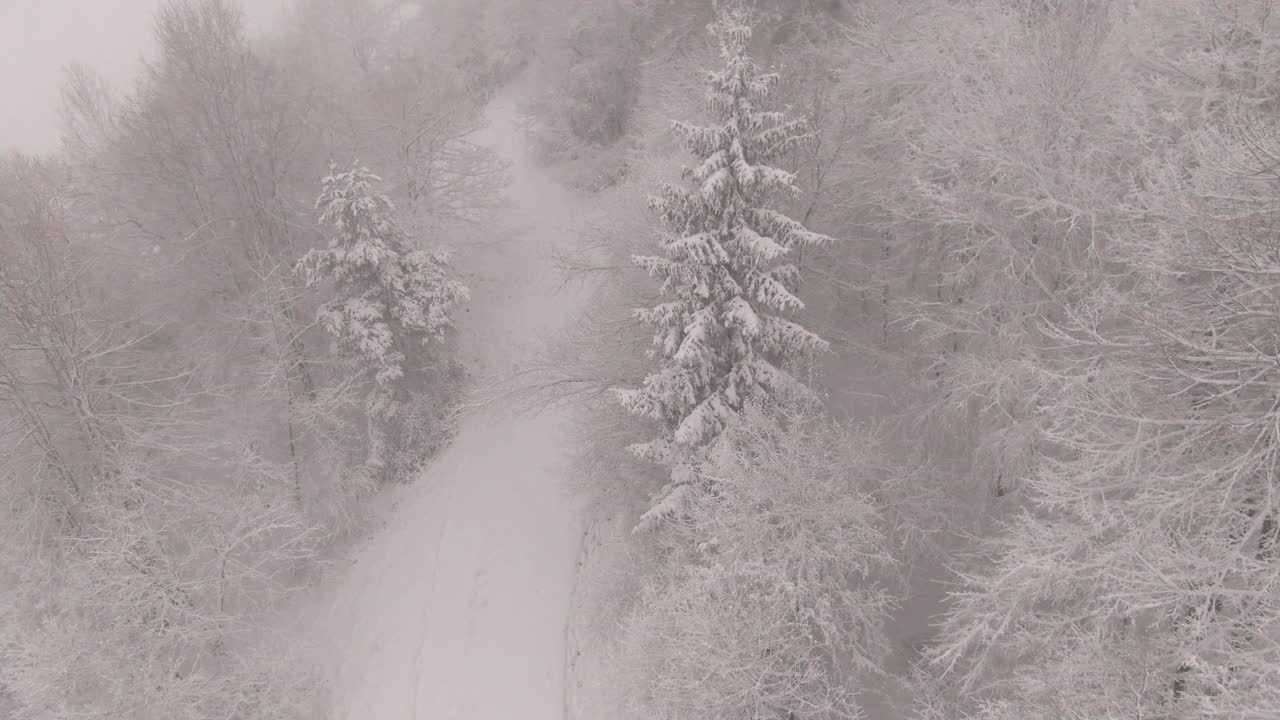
456 609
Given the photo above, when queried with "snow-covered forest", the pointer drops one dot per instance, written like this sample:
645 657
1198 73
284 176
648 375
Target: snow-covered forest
662 359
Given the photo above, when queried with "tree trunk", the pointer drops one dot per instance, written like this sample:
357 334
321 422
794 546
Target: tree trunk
378 407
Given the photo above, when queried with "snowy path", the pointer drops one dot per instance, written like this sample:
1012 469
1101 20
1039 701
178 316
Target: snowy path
456 609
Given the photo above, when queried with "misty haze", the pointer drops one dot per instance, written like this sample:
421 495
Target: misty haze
639 359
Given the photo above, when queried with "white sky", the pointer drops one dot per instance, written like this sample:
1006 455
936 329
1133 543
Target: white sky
39 37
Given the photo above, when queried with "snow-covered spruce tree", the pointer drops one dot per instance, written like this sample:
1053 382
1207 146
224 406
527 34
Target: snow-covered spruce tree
722 334
389 299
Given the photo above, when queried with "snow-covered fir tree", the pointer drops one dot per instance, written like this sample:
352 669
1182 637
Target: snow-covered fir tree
389 299
722 331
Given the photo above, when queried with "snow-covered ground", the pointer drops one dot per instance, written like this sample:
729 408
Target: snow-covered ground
456 608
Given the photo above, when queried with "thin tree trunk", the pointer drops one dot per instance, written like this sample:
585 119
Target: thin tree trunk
377 408
294 461
288 355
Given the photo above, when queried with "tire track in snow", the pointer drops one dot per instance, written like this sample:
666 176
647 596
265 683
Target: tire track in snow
422 639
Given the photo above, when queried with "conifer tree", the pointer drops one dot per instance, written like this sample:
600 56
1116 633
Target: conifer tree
389 298
722 332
